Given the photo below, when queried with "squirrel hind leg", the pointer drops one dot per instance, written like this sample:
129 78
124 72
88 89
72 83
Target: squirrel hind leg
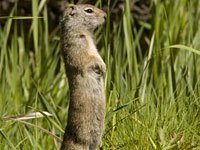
70 144
93 146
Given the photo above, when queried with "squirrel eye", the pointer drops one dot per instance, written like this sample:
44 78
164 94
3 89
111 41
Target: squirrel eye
89 10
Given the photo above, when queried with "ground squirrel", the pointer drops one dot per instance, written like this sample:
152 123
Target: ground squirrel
85 70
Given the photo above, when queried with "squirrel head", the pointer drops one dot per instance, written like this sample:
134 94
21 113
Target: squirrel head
83 16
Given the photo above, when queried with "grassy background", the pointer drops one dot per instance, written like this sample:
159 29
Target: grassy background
153 101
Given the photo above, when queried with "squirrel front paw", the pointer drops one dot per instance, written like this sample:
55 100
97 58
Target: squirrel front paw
99 69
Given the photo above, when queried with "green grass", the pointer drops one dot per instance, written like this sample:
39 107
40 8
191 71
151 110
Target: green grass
153 101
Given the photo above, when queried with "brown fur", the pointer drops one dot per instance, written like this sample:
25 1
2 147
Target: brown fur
85 70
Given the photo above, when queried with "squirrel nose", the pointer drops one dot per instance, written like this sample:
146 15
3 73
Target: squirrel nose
104 15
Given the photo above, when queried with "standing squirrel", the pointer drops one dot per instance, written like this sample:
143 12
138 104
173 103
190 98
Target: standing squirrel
85 70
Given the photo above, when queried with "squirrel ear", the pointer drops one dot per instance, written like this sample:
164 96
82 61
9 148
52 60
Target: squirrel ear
70 10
